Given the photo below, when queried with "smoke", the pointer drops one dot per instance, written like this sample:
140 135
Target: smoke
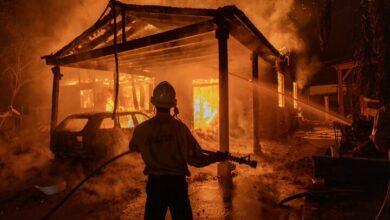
48 25
306 67
22 161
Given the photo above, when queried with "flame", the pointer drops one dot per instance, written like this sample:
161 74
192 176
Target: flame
281 98
134 94
295 95
206 103
86 98
109 104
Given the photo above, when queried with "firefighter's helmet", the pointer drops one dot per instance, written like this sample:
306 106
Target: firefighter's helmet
164 95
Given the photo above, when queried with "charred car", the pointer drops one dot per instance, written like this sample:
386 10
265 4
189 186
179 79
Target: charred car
94 136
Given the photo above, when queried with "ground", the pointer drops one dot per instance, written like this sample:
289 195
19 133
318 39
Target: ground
118 192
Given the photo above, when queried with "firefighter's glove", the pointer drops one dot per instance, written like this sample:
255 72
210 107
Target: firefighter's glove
221 156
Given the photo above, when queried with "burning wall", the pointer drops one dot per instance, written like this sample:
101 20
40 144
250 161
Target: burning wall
92 91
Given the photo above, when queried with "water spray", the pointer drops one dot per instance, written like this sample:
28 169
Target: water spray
339 118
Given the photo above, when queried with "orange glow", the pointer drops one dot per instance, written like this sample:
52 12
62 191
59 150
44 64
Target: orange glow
134 93
109 104
86 98
281 98
206 103
295 95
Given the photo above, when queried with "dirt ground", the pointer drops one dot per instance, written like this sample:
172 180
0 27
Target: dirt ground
118 192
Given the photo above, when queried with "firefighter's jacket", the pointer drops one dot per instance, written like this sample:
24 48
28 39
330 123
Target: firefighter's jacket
167 146
381 130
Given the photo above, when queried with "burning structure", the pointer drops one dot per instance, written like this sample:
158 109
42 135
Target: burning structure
198 50
231 82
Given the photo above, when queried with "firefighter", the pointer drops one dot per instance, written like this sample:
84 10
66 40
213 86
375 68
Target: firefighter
167 146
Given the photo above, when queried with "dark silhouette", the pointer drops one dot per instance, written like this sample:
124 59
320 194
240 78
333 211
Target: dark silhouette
167 146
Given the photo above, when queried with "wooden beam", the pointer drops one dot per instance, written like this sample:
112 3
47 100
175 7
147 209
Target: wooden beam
174 19
197 41
245 21
100 39
171 61
168 10
340 90
187 31
346 65
146 65
123 16
347 74
222 36
54 99
162 55
256 102
82 36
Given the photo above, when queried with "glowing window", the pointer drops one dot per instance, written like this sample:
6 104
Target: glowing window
281 98
206 103
295 94
86 98
126 121
140 118
109 104
74 124
107 123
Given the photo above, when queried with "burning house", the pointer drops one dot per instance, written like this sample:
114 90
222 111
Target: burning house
299 108
216 58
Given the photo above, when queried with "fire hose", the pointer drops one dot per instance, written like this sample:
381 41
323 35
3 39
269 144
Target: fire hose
240 160
70 193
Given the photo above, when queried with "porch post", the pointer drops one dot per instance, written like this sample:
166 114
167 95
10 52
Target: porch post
54 99
222 35
340 91
256 101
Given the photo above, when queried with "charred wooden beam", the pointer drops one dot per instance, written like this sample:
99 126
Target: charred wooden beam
102 38
168 10
224 169
172 19
191 48
196 41
222 35
256 102
171 54
123 16
165 24
54 99
340 91
85 34
187 31
245 20
102 65
172 61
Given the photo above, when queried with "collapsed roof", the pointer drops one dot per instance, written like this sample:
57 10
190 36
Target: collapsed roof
154 36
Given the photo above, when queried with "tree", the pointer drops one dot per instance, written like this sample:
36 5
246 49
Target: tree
373 49
15 72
